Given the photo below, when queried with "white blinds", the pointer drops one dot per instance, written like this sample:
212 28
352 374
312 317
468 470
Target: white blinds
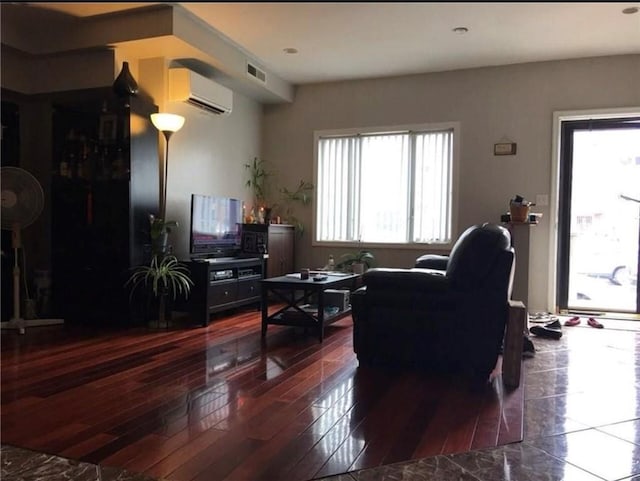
385 188
433 181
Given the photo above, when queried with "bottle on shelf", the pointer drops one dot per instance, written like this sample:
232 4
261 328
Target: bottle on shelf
64 168
104 165
331 264
70 166
118 167
84 168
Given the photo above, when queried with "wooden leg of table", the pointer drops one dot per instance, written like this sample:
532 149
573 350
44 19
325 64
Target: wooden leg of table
513 342
265 310
321 315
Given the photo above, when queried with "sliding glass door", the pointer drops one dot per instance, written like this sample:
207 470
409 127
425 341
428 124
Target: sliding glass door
599 216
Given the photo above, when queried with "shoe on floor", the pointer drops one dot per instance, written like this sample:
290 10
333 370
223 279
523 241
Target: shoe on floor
548 332
541 317
528 349
594 323
554 324
574 321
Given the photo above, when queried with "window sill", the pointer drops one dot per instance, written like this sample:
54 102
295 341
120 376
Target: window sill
373 245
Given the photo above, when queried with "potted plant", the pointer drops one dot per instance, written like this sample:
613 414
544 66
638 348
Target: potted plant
356 261
301 195
258 182
164 276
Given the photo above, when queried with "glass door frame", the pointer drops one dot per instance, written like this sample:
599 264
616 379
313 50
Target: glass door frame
566 128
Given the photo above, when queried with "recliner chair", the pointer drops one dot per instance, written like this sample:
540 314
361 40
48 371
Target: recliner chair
448 314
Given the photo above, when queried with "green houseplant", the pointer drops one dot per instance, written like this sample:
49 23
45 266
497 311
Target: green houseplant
258 181
165 276
356 261
301 195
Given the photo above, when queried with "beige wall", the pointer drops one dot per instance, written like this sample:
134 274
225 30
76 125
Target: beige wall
207 157
515 102
69 71
208 154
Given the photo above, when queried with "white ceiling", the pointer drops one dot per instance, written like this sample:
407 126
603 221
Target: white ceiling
337 41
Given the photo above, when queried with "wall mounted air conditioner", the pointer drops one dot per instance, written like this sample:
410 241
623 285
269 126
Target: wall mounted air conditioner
188 86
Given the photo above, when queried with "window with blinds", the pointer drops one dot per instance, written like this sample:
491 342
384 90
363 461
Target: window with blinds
385 187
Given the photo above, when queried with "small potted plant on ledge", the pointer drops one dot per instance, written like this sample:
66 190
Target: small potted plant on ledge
165 276
356 262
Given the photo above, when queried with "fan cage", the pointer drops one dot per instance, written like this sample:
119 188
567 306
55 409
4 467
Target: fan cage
22 198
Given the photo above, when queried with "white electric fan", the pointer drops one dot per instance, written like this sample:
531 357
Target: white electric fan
22 203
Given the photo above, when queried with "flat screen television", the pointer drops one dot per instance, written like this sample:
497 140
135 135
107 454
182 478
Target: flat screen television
216 226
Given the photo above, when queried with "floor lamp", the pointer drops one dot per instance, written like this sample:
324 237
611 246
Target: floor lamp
167 124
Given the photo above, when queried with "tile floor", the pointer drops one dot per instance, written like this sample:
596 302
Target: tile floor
581 422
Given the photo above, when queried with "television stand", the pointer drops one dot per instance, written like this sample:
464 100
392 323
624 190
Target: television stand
215 259
223 283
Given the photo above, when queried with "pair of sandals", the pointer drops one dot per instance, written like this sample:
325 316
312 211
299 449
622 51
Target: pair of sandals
592 321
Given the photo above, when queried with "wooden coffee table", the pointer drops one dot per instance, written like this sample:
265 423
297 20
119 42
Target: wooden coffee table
295 292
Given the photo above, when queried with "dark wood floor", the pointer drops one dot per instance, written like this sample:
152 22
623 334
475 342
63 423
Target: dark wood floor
214 404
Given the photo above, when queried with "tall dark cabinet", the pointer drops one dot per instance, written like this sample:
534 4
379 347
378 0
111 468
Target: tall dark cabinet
275 240
104 186
281 238
9 157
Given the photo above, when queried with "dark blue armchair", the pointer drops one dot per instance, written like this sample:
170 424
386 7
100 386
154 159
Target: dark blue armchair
448 314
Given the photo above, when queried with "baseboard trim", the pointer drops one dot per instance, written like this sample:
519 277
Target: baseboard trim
21 324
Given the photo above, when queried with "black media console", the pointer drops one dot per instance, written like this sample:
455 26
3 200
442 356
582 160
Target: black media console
223 283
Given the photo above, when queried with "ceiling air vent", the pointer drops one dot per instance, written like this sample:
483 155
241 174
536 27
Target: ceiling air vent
256 73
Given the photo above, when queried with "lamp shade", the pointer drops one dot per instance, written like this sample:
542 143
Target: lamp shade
167 122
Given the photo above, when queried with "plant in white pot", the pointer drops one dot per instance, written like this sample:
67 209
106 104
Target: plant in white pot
356 262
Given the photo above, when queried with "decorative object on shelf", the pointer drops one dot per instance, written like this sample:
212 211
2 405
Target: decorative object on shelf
108 124
519 209
168 124
124 84
267 215
164 276
251 218
331 264
357 261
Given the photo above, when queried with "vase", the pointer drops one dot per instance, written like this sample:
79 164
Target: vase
519 213
357 268
124 84
160 245
267 215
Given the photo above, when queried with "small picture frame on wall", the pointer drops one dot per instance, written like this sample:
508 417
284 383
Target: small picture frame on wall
108 124
504 148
